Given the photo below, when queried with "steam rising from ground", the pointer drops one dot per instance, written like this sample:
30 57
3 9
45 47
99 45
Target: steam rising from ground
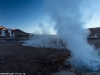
45 41
46 27
70 16
69 20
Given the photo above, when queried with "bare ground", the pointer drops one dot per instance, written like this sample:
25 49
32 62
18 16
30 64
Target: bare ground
14 57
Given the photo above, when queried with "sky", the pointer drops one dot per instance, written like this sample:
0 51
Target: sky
30 15
22 14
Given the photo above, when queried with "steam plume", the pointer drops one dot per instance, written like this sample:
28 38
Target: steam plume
68 16
44 39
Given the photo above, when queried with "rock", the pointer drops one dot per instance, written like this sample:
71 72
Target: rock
2 58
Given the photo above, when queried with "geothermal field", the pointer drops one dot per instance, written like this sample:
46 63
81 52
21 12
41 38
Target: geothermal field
74 49
15 57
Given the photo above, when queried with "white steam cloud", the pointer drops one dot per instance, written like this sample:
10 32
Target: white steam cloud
70 16
45 41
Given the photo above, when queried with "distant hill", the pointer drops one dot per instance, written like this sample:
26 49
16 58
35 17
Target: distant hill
95 32
13 32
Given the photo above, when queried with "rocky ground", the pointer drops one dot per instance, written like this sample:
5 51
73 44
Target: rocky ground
16 58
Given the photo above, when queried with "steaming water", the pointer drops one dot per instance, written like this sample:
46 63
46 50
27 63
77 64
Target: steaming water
70 16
